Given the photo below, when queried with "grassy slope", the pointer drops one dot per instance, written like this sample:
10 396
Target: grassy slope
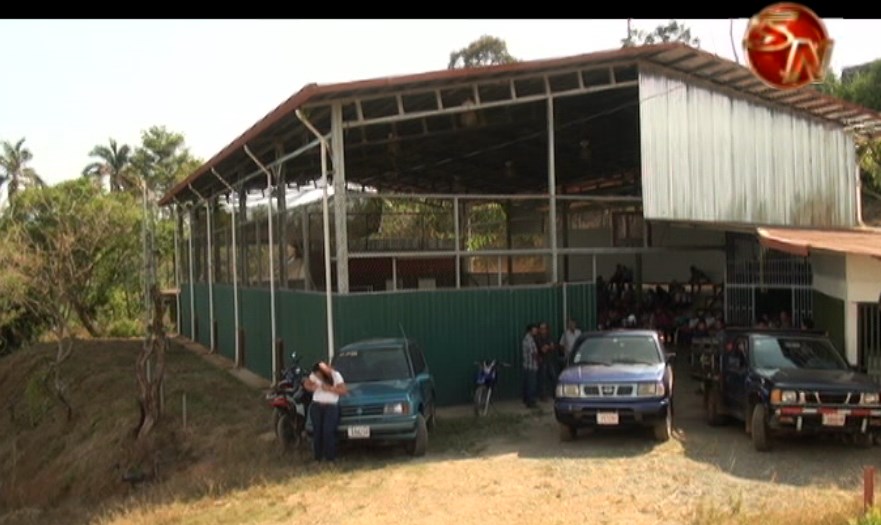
222 468
76 465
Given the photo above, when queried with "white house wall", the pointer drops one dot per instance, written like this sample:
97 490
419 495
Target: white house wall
829 274
709 157
863 286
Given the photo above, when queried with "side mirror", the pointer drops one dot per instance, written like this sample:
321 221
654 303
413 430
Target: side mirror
671 358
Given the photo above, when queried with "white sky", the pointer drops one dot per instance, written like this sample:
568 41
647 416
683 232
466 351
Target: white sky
71 84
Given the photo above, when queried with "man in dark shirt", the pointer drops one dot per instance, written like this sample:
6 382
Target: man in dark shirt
547 364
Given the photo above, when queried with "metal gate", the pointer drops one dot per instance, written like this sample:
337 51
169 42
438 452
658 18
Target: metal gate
869 339
751 269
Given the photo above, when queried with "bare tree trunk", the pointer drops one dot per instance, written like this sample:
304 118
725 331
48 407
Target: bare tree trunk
62 353
153 350
86 320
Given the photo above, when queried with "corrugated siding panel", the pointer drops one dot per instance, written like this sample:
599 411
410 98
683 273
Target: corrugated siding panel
224 313
258 330
454 327
581 305
203 315
302 324
708 157
185 326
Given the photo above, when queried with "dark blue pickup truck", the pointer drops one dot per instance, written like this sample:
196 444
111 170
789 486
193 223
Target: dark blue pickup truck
787 381
616 378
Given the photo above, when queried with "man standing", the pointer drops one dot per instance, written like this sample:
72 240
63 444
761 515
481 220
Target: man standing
547 361
567 340
530 365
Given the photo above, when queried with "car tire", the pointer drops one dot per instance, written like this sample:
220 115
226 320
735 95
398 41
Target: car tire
431 422
568 433
663 429
713 406
761 434
862 440
419 445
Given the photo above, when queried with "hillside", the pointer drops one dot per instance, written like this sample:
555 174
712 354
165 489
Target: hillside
76 467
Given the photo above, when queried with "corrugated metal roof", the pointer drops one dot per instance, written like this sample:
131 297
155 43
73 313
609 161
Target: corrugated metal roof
864 241
694 63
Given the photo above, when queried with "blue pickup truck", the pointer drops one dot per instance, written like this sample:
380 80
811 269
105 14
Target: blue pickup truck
616 378
391 393
780 382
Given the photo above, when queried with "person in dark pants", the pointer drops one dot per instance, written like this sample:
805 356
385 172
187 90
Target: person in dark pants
547 362
326 385
530 366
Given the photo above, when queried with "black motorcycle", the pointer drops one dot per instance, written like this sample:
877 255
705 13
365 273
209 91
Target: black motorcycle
290 404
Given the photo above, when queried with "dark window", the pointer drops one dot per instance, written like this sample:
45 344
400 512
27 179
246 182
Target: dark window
789 352
418 359
375 364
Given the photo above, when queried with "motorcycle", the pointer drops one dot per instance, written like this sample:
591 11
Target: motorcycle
290 404
485 382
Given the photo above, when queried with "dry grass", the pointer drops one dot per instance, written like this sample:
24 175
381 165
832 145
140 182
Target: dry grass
831 512
507 467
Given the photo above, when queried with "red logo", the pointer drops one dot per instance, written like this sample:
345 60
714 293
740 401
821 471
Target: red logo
787 46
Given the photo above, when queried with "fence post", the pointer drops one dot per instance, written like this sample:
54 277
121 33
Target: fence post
868 488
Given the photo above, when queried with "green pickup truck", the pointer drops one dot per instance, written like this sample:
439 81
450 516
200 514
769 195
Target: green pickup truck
391 393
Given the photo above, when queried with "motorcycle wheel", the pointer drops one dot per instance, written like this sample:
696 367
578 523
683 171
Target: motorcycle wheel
480 397
286 433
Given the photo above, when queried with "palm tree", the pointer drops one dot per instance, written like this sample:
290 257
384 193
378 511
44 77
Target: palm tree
115 164
14 171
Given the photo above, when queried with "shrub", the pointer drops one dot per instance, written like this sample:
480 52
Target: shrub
125 328
873 517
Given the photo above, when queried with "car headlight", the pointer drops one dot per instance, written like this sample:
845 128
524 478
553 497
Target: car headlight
568 391
869 398
400 409
650 389
788 396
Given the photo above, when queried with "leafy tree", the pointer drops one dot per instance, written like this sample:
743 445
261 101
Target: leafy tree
485 51
672 31
863 88
14 169
115 164
74 247
163 159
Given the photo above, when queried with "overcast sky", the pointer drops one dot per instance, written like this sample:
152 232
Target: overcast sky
71 84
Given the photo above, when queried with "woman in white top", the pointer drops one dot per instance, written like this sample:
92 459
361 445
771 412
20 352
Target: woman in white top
326 385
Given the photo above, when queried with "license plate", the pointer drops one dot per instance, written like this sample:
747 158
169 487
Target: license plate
607 418
833 420
359 432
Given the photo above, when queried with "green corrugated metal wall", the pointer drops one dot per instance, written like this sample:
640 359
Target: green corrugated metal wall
224 314
258 330
185 326
454 327
302 325
203 315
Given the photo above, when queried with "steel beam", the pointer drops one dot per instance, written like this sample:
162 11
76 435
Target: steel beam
235 268
275 363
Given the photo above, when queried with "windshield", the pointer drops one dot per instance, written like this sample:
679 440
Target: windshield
621 349
376 364
786 352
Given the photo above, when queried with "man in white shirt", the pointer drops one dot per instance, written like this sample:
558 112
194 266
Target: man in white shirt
567 340
326 385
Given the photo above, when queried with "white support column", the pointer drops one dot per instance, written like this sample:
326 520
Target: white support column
394 274
552 191
458 240
177 276
271 242
235 267
307 250
565 306
208 213
326 227
192 278
340 214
